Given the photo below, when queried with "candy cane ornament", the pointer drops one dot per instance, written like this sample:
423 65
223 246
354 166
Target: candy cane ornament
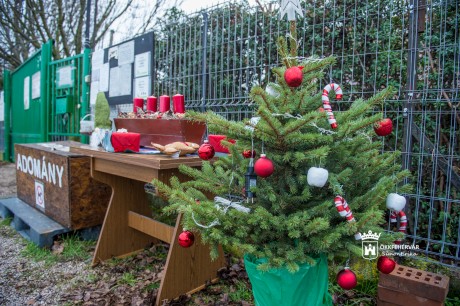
402 222
396 203
344 210
327 105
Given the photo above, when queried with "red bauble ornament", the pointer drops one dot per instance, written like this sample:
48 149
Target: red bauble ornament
206 151
386 265
186 239
264 167
293 76
384 127
249 153
347 279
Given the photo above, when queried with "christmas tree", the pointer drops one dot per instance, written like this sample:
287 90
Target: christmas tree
317 162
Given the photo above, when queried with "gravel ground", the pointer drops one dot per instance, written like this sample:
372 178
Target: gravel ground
23 281
7 180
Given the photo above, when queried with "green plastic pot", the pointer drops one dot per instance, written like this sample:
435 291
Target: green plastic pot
279 287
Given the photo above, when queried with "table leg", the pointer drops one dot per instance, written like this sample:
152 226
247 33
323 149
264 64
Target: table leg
116 237
187 270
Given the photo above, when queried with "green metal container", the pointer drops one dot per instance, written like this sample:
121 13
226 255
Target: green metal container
45 100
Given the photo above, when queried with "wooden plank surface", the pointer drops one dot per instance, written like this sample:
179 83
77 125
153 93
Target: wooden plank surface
150 227
154 161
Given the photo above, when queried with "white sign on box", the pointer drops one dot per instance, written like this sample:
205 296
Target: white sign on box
40 194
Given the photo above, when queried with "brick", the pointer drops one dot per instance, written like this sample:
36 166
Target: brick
417 282
403 298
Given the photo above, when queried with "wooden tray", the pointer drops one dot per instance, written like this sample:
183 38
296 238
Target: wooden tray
163 131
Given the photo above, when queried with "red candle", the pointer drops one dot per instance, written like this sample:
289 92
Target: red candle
164 104
138 103
178 103
152 104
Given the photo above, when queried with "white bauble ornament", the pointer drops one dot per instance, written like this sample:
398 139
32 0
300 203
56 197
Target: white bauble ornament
317 177
396 202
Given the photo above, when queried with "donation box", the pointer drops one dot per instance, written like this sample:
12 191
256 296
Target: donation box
59 184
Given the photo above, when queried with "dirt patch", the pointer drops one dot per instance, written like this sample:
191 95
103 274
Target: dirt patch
7 180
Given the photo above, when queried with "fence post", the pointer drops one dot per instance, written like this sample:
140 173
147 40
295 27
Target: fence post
411 82
204 39
44 99
7 114
85 90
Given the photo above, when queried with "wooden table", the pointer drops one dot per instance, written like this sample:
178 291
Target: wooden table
127 229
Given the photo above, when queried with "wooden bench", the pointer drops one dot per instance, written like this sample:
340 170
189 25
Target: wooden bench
127 227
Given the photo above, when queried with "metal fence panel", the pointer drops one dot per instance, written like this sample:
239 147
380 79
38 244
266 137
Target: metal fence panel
68 96
214 57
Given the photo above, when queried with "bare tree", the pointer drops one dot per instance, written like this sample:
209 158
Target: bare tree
26 24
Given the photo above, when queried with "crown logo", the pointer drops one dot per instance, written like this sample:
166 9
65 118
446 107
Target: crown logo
370 236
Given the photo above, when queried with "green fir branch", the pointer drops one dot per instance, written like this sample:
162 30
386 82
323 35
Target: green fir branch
297 124
274 124
261 97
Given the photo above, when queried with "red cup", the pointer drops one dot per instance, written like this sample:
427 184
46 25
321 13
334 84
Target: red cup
179 104
165 104
152 104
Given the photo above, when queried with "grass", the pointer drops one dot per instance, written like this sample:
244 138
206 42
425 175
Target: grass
38 254
240 292
76 249
6 221
73 249
128 279
91 278
452 301
151 287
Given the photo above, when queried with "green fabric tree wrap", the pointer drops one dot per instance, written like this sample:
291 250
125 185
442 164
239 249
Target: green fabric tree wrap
307 287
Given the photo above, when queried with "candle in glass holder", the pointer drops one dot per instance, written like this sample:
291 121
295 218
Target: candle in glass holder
138 103
152 104
178 104
164 104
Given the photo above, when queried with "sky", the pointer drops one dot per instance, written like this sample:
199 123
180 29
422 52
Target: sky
191 6
122 33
